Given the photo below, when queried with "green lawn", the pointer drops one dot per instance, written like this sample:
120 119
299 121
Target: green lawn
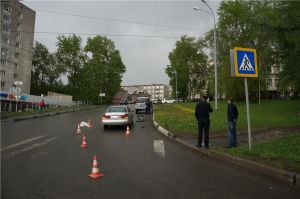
180 119
283 153
5 115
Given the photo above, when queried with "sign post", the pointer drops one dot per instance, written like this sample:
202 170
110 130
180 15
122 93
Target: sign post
101 95
244 64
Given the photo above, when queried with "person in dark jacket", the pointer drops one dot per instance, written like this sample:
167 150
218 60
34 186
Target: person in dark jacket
232 115
202 111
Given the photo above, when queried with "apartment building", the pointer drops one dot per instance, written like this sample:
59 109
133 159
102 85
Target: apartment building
17 27
156 91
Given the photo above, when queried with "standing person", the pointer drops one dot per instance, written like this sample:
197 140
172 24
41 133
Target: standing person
202 111
147 106
42 105
232 115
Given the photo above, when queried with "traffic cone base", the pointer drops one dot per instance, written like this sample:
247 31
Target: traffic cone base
96 175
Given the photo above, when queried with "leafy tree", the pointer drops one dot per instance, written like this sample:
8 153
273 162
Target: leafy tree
189 62
240 24
44 75
70 60
104 69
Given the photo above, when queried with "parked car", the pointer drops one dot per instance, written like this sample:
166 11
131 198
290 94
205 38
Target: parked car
168 101
140 105
117 116
159 101
180 100
123 102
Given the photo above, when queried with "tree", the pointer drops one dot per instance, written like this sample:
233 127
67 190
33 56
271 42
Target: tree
240 24
104 70
70 60
44 75
189 61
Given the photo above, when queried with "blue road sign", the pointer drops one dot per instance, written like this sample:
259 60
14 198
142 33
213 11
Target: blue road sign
245 63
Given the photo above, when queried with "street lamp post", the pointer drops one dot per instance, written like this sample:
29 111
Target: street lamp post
215 51
176 86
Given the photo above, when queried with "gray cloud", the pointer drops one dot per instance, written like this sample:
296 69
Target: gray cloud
145 58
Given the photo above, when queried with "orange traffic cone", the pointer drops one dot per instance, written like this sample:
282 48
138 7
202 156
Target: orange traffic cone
89 124
78 129
95 171
127 131
84 143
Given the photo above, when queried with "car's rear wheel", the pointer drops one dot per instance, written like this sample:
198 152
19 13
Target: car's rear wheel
105 126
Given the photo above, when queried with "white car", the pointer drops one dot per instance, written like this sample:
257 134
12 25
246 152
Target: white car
117 116
168 101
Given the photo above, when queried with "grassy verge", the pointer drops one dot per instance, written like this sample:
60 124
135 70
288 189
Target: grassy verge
180 119
282 153
6 115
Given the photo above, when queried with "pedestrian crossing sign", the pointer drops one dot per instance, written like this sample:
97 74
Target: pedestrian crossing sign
245 63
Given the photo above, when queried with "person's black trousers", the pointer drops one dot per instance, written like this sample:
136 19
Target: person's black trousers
203 126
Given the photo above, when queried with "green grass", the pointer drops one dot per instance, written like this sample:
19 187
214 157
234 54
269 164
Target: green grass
282 153
6 115
180 119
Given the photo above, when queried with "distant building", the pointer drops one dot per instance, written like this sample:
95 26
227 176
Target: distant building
156 91
122 94
273 88
17 30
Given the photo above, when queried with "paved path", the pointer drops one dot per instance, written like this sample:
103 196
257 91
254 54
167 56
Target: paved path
41 158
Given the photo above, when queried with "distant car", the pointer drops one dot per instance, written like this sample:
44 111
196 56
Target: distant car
168 101
117 116
123 102
159 101
140 105
180 100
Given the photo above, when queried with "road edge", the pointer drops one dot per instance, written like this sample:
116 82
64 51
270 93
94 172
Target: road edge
283 176
34 116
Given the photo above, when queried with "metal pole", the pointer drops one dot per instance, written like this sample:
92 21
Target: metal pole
248 115
176 87
215 55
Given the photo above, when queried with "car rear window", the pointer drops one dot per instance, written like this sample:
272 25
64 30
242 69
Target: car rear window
141 100
117 109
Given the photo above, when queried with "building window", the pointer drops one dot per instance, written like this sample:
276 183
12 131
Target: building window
19 25
16 66
20 15
17 44
5 28
276 82
15 75
3 62
19 35
2 84
16 55
2 72
5 39
4 51
269 82
6 18
7 8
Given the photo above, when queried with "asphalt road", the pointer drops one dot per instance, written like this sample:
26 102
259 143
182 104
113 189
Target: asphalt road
42 158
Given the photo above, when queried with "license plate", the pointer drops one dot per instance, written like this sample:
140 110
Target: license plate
114 117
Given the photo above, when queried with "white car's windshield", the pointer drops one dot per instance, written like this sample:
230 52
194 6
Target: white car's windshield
141 100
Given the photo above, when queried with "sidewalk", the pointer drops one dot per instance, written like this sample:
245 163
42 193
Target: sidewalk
284 176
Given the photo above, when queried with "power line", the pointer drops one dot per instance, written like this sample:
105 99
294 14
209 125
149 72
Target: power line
103 34
122 21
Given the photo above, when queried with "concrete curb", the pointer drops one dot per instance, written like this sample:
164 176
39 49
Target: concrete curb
283 176
45 115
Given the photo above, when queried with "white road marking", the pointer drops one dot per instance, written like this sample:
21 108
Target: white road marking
30 147
159 147
22 142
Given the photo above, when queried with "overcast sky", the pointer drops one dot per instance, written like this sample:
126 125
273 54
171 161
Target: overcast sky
145 57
